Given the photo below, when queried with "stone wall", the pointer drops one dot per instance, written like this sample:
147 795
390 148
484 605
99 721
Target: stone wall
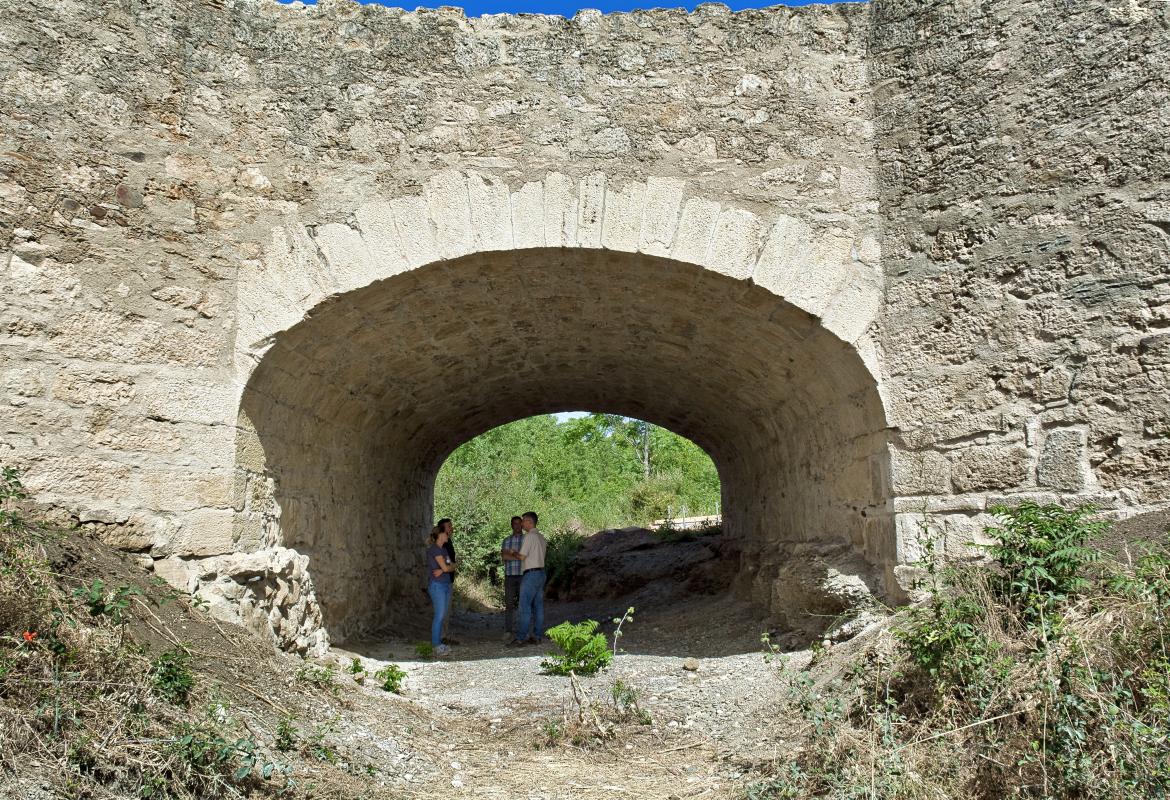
1024 180
266 265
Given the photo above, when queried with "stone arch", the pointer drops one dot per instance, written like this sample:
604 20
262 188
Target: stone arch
748 333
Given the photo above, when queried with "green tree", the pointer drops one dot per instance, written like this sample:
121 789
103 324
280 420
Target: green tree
583 474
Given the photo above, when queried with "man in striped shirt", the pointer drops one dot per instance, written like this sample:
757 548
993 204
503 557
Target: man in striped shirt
513 567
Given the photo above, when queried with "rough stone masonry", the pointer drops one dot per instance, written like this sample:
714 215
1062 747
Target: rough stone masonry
264 266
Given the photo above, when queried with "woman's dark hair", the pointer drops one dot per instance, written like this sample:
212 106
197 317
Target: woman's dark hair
532 516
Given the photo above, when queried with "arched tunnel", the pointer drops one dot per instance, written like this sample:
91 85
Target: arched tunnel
357 406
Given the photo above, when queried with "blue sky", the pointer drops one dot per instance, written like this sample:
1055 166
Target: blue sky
567 8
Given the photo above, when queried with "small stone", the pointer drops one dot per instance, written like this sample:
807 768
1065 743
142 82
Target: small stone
128 197
691 665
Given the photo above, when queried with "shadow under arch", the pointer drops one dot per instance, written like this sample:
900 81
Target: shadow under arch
356 407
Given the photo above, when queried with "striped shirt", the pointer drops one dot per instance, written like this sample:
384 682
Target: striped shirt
513 542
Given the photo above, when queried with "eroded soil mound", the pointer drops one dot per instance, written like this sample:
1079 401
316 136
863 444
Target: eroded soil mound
630 561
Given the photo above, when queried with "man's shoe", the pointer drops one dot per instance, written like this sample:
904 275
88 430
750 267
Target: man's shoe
509 638
442 650
451 641
516 643
533 641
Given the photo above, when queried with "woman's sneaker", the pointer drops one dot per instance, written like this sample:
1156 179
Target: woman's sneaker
442 650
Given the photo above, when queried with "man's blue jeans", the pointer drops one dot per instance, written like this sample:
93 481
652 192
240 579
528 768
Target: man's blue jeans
531 604
440 593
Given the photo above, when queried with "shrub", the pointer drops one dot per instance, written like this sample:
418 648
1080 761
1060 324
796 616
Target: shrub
582 650
560 557
103 603
321 677
949 643
391 677
171 676
205 749
424 649
1042 552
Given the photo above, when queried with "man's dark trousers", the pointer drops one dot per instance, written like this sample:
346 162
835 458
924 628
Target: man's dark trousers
511 602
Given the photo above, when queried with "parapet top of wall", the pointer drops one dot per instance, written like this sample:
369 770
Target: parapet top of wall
585 18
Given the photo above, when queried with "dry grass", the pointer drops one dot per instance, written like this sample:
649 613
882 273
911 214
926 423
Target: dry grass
1078 710
478 594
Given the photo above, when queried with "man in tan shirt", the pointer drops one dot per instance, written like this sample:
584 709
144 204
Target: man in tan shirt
532 551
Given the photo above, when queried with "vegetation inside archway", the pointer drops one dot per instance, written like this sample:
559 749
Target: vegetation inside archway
582 474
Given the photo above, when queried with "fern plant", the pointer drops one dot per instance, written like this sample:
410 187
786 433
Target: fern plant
582 650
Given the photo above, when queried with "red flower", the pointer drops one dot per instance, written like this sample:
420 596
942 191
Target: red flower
29 635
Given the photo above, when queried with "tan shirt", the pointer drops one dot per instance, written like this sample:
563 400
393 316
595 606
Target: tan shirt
532 550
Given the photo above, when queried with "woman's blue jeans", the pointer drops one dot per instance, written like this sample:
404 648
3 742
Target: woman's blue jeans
440 593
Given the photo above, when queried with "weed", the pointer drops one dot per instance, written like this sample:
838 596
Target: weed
424 650
286 734
103 602
391 677
322 677
11 491
772 652
316 746
618 623
582 650
625 703
204 748
553 733
171 676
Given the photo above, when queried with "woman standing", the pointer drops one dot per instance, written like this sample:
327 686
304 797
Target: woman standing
439 570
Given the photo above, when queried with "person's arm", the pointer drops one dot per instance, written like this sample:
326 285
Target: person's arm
525 550
509 554
445 564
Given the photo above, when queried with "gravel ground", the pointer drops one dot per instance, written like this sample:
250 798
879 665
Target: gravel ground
697 665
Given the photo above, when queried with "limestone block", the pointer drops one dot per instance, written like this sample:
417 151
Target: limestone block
175 490
133 533
249 532
293 269
376 221
491 212
734 244
692 240
802 265
349 260
560 211
855 305
528 216
261 310
622 224
857 184
447 201
1063 462
178 573
590 210
202 532
989 467
660 216
919 472
412 221
80 481
81 387
188 399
